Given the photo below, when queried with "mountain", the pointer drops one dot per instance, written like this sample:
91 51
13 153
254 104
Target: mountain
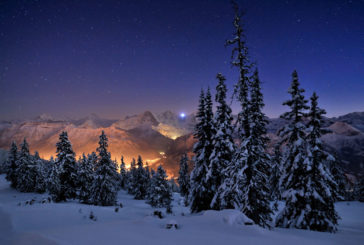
162 138
355 119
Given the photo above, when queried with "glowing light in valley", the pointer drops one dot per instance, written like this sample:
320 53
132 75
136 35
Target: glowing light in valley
182 115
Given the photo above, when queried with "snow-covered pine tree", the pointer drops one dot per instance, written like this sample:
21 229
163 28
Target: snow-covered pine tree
160 195
230 191
223 143
247 185
339 176
92 159
64 179
200 193
26 170
319 213
275 188
141 183
12 165
295 159
41 174
256 202
86 177
123 174
105 185
132 177
184 178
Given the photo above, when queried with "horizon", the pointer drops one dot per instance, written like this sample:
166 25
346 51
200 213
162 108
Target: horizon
65 118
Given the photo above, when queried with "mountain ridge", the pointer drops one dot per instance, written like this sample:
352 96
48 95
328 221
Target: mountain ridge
161 138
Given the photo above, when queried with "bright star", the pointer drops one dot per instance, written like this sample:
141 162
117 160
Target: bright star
182 115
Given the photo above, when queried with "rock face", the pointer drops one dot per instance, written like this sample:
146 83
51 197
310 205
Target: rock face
164 137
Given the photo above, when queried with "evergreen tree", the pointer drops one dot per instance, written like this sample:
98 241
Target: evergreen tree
184 178
160 192
275 189
141 183
26 170
12 165
92 159
230 191
247 185
223 143
132 177
86 177
295 161
41 174
105 185
64 179
123 174
201 195
339 177
240 59
319 212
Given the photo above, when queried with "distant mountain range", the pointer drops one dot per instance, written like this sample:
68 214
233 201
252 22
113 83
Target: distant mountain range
162 138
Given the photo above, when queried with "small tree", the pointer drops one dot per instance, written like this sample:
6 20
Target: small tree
141 181
275 188
132 177
339 189
184 178
105 185
26 170
86 177
123 174
64 179
160 193
41 174
12 165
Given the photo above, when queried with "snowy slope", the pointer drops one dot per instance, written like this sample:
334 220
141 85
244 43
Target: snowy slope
69 223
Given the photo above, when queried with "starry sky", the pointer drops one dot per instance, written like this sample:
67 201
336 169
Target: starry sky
116 58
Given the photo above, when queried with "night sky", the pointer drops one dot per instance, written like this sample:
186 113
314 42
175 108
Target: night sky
115 58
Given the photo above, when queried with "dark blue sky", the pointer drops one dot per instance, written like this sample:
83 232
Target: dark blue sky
113 58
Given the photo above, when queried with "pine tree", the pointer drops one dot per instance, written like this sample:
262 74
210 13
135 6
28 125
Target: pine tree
247 185
320 214
223 143
201 195
230 191
132 177
141 181
105 185
256 203
160 192
184 178
41 174
26 170
240 59
295 160
123 174
339 177
275 188
86 177
12 165
64 179
92 159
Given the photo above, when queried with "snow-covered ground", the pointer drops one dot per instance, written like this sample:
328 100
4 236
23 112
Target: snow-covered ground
69 223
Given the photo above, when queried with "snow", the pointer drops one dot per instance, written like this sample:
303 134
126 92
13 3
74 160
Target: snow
69 223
